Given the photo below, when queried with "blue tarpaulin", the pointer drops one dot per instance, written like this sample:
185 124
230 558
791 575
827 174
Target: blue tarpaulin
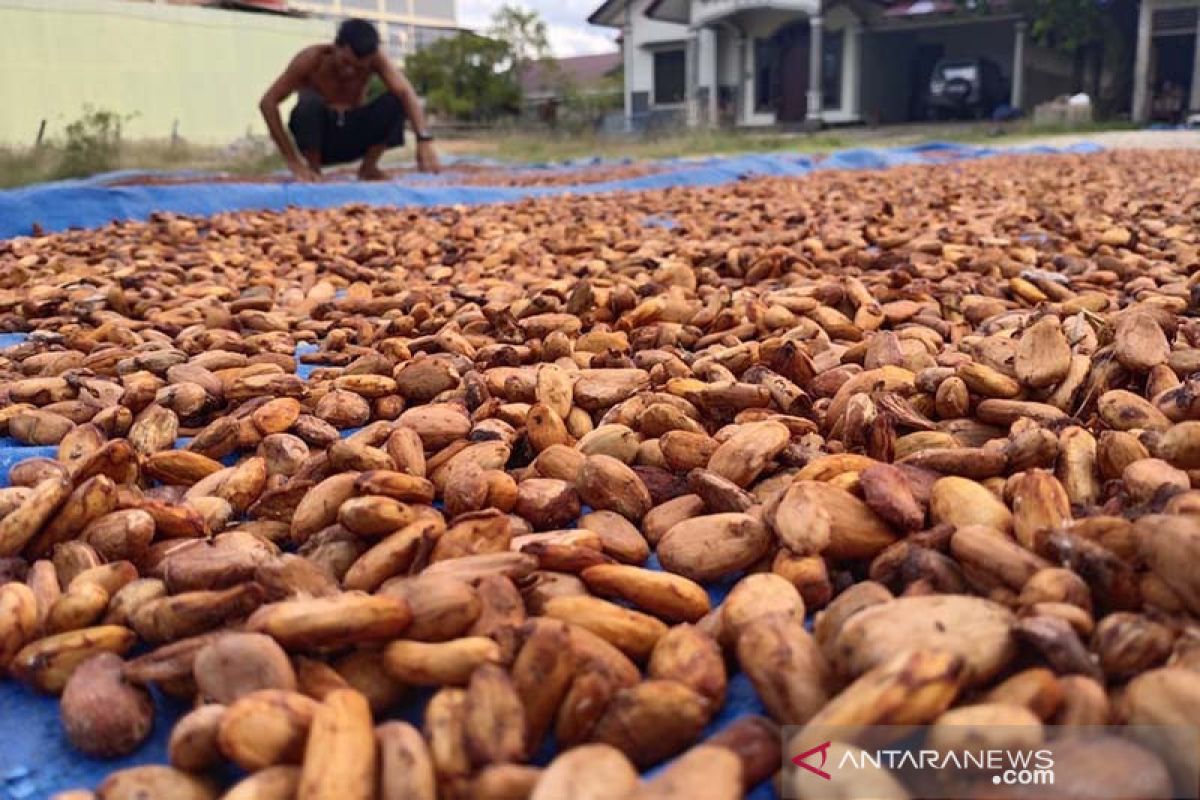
35 758
93 202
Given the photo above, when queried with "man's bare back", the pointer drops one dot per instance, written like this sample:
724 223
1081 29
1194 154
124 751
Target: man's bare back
332 122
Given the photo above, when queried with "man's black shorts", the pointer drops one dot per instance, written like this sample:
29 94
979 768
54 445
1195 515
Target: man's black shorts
343 136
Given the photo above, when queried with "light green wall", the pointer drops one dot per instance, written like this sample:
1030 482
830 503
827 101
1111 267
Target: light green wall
202 67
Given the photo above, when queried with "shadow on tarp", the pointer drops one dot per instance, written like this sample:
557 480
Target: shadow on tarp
90 203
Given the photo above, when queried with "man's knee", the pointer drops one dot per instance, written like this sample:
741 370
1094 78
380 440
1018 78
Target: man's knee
390 106
307 121
390 119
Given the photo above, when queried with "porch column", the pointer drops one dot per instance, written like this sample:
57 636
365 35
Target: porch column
692 79
741 107
816 24
706 73
1018 75
1194 99
1141 64
851 66
714 78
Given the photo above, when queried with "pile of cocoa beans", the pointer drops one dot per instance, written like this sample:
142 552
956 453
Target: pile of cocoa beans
932 434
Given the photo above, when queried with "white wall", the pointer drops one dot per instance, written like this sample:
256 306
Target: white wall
647 34
842 20
196 71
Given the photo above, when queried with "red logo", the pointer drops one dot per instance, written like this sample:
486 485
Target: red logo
823 749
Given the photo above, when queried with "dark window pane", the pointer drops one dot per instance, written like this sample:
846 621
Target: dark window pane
764 74
831 69
669 76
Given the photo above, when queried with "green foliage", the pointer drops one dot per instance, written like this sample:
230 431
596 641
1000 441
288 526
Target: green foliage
1065 25
606 95
524 32
467 77
93 143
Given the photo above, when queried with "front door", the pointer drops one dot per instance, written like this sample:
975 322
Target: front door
791 47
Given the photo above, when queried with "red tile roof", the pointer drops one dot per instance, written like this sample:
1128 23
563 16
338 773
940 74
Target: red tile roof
580 70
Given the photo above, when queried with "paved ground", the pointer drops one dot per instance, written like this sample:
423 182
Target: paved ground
982 133
1157 140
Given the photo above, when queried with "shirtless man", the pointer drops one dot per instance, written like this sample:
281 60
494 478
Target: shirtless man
331 123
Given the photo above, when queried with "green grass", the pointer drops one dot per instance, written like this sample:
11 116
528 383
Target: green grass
527 147
19 167
524 147
988 132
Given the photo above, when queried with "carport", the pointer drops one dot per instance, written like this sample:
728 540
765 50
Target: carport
902 48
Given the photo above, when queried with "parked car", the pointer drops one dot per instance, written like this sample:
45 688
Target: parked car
965 87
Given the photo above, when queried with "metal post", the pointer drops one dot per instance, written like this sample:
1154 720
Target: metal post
816 24
1194 99
692 79
1141 64
627 53
1018 75
749 82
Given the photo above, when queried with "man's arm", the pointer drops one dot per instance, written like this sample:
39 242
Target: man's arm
397 84
287 83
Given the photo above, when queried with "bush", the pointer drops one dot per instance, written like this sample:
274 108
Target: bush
93 143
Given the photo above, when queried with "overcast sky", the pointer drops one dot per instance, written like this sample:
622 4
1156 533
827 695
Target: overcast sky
570 33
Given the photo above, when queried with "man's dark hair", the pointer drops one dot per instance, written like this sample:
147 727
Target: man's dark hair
360 36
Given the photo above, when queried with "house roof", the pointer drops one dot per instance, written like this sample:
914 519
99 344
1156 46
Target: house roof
608 13
542 76
670 11
611 12
921 8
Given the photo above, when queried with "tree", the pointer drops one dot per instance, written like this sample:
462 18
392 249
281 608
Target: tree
525 33
1091 32
466 76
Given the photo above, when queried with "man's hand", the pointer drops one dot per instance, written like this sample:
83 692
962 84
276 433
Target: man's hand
304 172
427 160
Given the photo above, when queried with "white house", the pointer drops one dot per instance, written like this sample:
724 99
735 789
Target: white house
814 62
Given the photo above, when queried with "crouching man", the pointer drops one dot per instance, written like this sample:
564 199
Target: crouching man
332 123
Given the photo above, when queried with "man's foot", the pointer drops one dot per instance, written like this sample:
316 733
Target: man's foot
371 173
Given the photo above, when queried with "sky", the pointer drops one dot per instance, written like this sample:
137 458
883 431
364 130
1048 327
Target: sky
570 33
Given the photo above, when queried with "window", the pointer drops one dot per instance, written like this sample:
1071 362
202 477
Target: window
359 5
435 9
397 42
423 37
396 6
831 69
669 77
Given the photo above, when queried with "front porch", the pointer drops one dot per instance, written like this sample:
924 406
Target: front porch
801 63
766 64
